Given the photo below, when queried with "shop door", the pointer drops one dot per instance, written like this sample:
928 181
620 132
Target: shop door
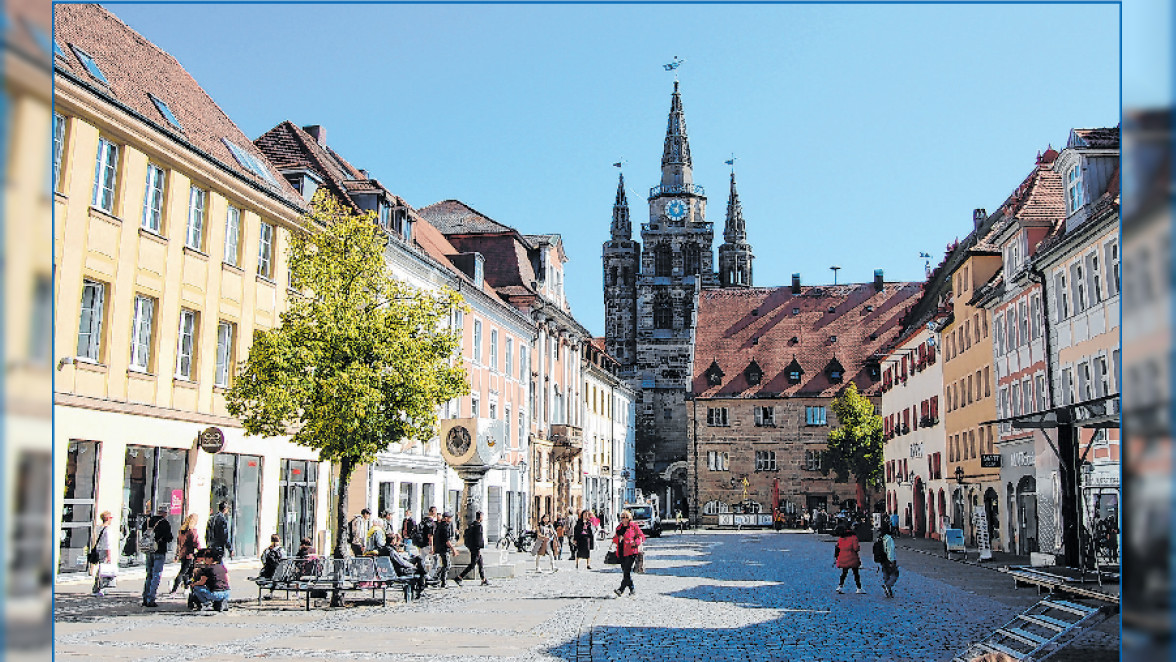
405 502
296 508
153 477
78 519
236 480
493 514
387 498
1027 514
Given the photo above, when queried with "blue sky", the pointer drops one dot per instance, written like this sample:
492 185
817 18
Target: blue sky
864 134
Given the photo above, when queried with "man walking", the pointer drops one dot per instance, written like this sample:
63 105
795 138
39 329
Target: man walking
160 529
443 547
216 533
885 557
475 541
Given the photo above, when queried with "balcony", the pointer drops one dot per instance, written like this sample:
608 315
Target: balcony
567 440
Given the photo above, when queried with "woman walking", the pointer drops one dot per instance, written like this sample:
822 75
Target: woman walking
545 536
627 539
187 542
846 557
583 535
102 553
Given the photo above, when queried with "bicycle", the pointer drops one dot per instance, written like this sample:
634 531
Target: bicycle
521 543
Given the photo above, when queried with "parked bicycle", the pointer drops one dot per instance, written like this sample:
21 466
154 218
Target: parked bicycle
522 542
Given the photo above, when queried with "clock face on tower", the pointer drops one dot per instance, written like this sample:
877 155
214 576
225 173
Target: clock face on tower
458 441
676 210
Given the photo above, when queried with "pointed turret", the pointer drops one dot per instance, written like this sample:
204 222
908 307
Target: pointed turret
622 229
735 231
676 163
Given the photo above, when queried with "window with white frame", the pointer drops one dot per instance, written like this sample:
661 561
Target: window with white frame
1074 188
90 323
718 460
716 416
197 199
1085 382
58 149
522 427
105 176
493 407
1041 403
508 366
265 251
1027 395
225 332
474 408
233 236
1035 316
998 336
1078 276
1023 311
813 459
153 199
1067 394
765 460
187 344
1092 268
522 361
1015 396
814 416
507 419
141 333
1062 294
477 341
765 416
1102 385
494 349
1111 252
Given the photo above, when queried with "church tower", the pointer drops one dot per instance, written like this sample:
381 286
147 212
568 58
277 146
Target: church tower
735 254
621 269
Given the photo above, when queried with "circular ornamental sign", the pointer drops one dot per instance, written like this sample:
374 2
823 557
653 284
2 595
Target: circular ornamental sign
212 440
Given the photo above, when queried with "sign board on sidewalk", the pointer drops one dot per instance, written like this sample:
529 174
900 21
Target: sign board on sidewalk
953 540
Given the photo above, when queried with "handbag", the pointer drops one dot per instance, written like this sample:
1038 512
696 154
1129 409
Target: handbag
639 566
93 557
107 570
611 558
147 540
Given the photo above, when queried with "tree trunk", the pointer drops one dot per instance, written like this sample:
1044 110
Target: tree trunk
346 468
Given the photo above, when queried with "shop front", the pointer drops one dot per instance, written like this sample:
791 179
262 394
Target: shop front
1018 475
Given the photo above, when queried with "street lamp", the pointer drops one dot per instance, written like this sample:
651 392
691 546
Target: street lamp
959 474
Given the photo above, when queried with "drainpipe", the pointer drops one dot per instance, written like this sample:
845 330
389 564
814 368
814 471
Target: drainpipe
1037 276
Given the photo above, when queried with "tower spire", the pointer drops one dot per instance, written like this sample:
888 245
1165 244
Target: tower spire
676 163
735 231
622 229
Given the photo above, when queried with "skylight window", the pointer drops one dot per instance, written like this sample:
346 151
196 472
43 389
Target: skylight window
90 65
166 112
250 162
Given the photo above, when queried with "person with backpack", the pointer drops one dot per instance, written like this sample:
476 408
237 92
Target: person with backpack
157 533
101 556
885 558
217 532
270 557
845 555
474 540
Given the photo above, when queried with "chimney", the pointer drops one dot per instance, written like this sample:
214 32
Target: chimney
978 216
877 280
796 283
363 174
318 133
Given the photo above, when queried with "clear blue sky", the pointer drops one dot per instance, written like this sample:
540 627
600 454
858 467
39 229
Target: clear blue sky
864 133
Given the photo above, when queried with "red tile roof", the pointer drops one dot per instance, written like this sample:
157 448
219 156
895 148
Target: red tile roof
1101 138
289 147
456 217
135 68
737 326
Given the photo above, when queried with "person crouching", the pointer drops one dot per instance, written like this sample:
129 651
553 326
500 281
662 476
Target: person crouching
212 582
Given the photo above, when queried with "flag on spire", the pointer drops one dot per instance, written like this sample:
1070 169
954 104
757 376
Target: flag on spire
673 65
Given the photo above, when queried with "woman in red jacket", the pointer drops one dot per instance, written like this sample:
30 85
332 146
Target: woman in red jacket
627 539
846 555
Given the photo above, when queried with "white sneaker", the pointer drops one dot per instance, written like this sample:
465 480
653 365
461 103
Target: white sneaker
860 590
839 590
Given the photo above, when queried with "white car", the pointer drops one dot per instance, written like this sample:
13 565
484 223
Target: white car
645 517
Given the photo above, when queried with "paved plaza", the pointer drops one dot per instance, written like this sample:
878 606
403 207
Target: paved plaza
704 596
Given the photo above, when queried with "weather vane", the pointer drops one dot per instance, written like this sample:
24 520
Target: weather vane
927 262
731 162
673 66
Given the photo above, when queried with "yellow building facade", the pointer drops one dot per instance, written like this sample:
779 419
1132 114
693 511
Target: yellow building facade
169 241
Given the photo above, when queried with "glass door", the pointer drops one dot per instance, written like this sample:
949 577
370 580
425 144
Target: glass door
296 507
78 518
153 477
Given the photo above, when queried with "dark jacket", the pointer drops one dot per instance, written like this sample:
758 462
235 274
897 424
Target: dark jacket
216 533
584 535
163 532
442 534
269 560
187 544
474 538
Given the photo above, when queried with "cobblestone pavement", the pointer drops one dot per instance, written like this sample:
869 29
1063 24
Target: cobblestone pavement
705 596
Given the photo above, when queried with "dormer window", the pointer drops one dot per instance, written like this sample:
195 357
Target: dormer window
385 216
1074 188
165 111
303 181
479 270
794 371
869 308
754 373
874 370
714 374
795 310
832 338
835 371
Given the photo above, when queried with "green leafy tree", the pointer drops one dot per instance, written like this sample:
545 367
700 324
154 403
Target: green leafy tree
855 448
360 362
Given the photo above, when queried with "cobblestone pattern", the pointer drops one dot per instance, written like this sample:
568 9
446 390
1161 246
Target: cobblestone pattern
704 596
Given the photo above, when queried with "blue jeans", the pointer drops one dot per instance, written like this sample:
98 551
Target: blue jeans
889 574
206 596
154 571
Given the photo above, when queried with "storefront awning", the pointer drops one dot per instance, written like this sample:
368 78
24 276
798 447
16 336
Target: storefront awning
1099 413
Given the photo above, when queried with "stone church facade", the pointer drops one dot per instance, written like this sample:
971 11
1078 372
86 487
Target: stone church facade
651 291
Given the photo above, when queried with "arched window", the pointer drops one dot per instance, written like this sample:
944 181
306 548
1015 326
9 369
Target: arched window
663 260
691 260
663 313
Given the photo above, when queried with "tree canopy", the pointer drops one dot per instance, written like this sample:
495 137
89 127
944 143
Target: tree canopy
856 446
359 361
